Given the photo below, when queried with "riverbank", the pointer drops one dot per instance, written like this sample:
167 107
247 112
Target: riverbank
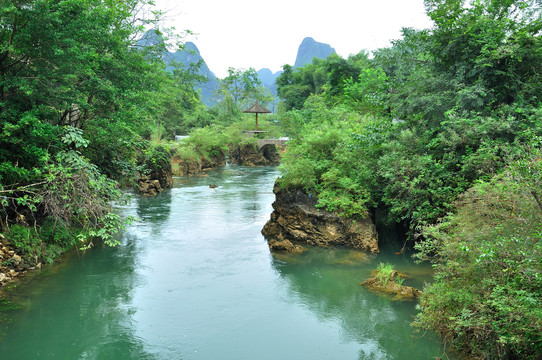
194 278
12 266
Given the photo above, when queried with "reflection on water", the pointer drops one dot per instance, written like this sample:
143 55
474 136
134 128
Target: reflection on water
380 325
194 279
154 210
78 309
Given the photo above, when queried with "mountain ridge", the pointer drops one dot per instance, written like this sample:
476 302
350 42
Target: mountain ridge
190 54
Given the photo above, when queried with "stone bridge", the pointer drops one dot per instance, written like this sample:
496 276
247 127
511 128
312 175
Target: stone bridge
264 142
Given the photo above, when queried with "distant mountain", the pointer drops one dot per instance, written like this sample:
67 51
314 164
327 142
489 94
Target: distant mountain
268 79
308 50
188 55
311 48
191 55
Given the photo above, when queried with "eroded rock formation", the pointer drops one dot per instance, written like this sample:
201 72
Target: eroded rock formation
296 218
198 168
249 155
157 180
149 187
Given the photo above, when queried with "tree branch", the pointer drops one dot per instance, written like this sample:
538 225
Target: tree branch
24 187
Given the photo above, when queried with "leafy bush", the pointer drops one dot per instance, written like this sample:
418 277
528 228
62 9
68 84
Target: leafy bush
487 294
337 160
187 154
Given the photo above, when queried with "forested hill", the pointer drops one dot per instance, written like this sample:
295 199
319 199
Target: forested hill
190 56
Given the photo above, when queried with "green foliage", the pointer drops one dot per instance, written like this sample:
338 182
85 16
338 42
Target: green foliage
244 87
334 157
155 157
369 93
487 293
187 154
65 67
295 86
42 245
179 104
209 142
465 100
321 77
385 273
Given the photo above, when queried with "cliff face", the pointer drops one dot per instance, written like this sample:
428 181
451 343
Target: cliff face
296 218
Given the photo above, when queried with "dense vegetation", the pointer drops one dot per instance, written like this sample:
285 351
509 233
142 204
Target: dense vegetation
442 128
486 295
86 105
73 94
441 132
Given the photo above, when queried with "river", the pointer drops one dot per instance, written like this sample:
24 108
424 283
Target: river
194 279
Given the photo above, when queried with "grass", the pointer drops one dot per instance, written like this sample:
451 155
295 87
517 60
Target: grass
384 273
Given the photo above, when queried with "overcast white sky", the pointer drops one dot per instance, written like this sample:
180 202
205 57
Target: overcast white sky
267 34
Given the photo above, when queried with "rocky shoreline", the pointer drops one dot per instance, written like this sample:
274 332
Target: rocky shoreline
247 155
12 265
296 219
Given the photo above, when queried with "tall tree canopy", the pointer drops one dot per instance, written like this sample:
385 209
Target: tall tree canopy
74 89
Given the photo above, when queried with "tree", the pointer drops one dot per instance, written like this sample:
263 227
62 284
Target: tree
369 94
75 91
180 99
491 48
244 86
291 92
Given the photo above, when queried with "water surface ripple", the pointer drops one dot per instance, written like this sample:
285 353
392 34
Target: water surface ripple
194 279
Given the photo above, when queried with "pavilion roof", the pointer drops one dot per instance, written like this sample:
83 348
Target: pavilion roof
257 108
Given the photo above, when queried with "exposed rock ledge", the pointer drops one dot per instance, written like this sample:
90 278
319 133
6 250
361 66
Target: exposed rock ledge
156 181
249 155
296 218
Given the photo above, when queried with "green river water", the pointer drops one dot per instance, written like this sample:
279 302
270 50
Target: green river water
194 279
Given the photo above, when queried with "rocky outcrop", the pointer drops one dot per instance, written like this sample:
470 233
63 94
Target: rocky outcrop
186 169
12 265
286 246
249 155
214 162
391 287
296 218
198 168
158 179
164 176
148 187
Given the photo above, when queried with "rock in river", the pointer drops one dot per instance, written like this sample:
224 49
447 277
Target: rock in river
295 218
